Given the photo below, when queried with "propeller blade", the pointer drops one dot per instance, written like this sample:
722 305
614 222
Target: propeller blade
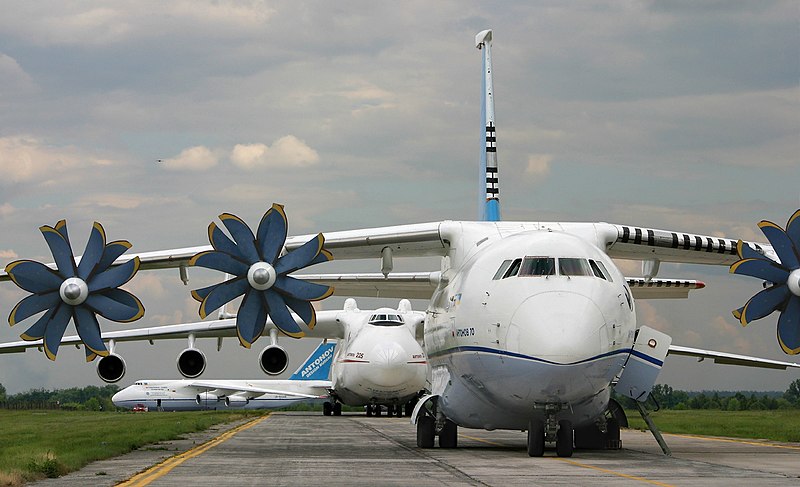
94 251
112 251
793 229
33 276
781 243
114 277
272 233
35 303
747 252
89 330
300 257
116 305
36 331
762 268
280 314
307 291
251 318
241 233
62 252
219 261
55 329
223 293
764 303
222 243
200 294
789 327
304 310
324 256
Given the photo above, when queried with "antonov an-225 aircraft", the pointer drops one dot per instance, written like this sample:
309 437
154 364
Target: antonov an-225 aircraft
529 326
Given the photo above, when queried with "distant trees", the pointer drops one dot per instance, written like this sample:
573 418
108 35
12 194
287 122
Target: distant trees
2 393
91 398
668 398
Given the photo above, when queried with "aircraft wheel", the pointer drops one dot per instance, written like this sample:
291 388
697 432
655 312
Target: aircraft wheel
409 409
369 410
448 437
536 438
377 409
337 409
399 411
613 441
426 432
564 438
390 410
327 408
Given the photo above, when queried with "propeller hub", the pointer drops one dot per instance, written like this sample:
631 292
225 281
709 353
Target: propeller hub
793 282
74 291
261 276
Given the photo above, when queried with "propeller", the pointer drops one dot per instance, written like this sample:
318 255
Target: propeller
261 275
77 292
783 295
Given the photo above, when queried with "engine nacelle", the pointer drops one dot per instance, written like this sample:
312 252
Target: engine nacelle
191 363
205 398
273 359
236 401
111 368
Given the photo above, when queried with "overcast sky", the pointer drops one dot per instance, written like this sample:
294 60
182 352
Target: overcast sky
680 115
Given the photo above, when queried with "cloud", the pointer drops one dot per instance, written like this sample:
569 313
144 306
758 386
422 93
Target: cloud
8 254
286 151
198 158
24 158
539 165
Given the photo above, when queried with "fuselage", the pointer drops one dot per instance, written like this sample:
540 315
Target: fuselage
379 361
533 320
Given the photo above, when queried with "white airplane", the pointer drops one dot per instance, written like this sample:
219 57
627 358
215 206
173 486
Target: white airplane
529 326
308 384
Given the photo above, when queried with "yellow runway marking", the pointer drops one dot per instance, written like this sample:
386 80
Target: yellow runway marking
573 462
163 468
729 440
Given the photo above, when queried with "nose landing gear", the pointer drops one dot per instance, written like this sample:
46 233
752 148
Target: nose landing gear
548 430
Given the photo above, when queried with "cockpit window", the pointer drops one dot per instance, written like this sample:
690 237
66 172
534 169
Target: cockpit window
569 266
502 270
513 269
604 271
596 270
386 319
538 266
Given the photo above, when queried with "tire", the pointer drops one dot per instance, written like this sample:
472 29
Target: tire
337 409
369 410
327 408
564 438
448 437
426 432
536 438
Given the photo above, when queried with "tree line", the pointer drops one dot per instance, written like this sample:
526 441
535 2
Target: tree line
90 398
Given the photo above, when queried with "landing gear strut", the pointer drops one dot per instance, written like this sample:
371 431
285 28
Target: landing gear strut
550 429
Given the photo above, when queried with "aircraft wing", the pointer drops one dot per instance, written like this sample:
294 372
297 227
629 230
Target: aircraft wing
221 389
404 285
730 358
662 288
327 326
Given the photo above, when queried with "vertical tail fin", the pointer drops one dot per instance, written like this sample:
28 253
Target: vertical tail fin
318 365
490 192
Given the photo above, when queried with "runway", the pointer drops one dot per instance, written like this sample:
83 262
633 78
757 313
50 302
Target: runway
294 449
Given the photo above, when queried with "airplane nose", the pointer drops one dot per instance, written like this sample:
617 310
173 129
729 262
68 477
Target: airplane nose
388 365
561 327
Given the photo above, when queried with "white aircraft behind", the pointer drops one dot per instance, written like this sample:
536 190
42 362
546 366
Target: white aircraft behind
308 384
529 326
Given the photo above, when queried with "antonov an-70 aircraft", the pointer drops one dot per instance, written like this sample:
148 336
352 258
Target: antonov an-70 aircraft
530 325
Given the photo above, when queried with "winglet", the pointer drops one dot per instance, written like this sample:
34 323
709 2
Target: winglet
318 365
489 188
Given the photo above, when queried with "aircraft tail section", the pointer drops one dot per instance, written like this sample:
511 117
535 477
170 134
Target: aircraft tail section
489 188
318 365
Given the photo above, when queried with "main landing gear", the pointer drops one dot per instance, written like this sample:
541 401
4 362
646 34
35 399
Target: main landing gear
432 423
332 409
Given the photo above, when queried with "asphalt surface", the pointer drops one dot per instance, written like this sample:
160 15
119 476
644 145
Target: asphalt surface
310 449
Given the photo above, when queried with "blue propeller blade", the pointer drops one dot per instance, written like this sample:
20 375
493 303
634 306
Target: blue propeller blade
35 303
200 294
89 330
251 318
307 291
125 310
62 253
33 276
55 329
36 331
764 303
223 293
94 251
761 268
61 227
222 243
304 310
781 243
219 261
272 233
114 277
300 257
747 252
245 240
280 314
112 251
793 229
789 327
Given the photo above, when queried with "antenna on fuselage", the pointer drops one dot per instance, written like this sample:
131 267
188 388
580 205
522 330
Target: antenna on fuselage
489 208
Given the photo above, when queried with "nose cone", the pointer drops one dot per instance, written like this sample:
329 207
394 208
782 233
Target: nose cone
388 365
119 397
561 327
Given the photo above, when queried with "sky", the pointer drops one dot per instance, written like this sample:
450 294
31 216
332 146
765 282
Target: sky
677 115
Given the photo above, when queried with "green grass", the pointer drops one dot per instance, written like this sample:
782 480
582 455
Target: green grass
38 444
778 425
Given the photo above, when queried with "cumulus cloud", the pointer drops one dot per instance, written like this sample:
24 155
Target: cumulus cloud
24 159
286 151
8 254
197 158
539 165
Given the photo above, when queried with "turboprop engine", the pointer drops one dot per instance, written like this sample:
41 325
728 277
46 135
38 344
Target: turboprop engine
111 368
273 359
